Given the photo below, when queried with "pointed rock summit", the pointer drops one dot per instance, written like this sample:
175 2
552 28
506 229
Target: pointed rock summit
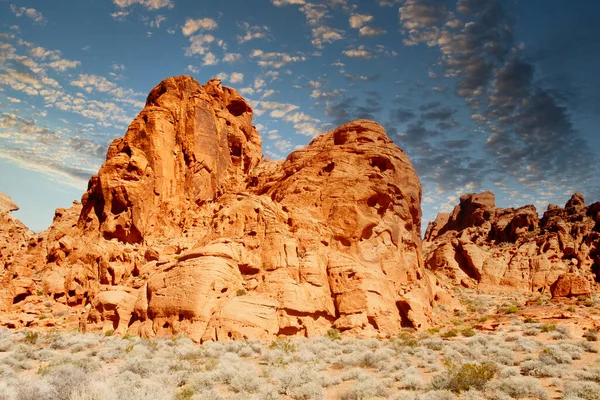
187 229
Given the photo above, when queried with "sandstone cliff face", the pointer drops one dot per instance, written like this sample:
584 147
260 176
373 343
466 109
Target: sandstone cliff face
498 249
187 229
189 145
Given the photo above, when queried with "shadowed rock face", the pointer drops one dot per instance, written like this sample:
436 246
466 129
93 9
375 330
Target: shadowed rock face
187 229
499 249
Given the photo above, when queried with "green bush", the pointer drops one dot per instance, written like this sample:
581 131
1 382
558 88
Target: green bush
449 333
240 292
334 334
109 332
284 344
548 327
512 309
468 332
591 335
31 337
469 375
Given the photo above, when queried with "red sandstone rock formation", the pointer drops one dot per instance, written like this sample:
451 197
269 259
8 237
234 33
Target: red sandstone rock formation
187 229
498 249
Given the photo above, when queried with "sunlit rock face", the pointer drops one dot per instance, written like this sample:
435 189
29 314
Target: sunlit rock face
495 249
186 229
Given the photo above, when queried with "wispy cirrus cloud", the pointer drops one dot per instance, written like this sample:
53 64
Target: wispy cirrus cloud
148 4
30 13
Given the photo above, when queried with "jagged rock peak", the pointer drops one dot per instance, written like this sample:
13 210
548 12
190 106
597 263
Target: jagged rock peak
190 144
7 204
480 244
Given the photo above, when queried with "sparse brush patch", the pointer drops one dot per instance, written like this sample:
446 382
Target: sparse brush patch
530 320
240 292
109 332
519 387
582 390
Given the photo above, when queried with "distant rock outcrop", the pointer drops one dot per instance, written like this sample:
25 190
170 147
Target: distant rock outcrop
511 249
186 229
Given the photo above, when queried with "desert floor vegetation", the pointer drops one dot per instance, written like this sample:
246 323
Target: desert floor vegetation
521 358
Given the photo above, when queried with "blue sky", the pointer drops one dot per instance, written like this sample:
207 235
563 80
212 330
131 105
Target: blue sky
498 95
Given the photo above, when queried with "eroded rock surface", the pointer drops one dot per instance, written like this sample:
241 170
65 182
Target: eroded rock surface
187 229
495 249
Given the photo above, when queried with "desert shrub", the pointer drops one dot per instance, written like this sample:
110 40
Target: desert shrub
468 332
308 391
532 331
582 390
548 327
404 339
334 334
436 344
364 389
511 309
31 337
284 344
540 370
240 292
109 332
561 333
35 390
554 355
65 379
509 371
591 335
449 333
293 376
405 395
519 387
438 395
409 379
469 375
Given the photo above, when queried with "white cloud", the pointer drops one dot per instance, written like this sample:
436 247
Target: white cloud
371 31
231 57
149 4
326 34
210 59
117 67
120 15
13 100
268 93
63 65
359 52
199 44
236 77
192 69
30 13
274 60
358 20
252 32
280 3
155 23
193 25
